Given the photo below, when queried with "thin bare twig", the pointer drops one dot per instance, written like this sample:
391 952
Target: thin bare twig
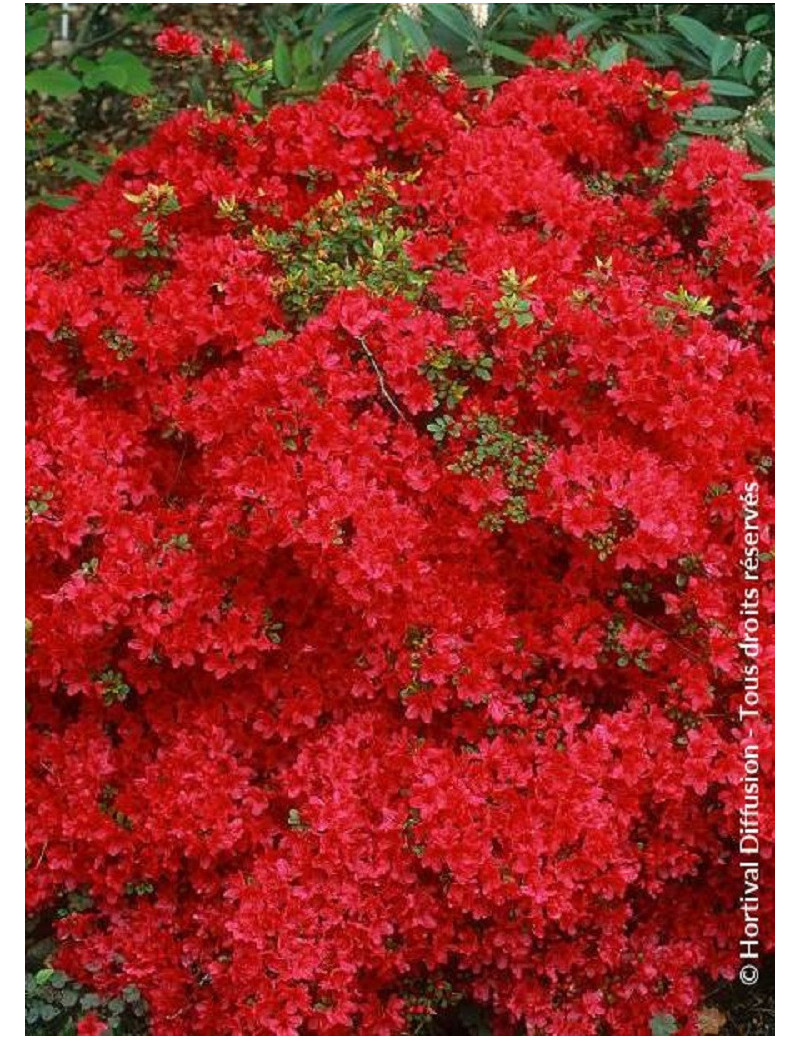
381 379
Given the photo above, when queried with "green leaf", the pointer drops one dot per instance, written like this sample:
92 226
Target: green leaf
52 82
729 88
663 1025
197 90
756 23
282 63
390 44
137 13
695 32
760 146
616 54
414 33
451 18
654 45
340 18
82 171
703 129
722 54
587 26
54 201
301 57
120 69
767 174
715 113
136 73
480 81
508 53
35 39
112 75
346 45
754 62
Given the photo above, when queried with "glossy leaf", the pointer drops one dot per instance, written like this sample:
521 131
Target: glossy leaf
508 53
35 39
722 54
715 113
729 88
414 33
282 63
52 81
760 146
754 62
696 33
616 54
452 19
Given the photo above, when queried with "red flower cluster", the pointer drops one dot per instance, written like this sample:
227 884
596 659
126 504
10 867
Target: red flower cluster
178 43
384 470
174 42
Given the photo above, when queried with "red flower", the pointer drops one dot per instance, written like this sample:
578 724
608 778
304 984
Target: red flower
228 51
387 464
92 1025
178 43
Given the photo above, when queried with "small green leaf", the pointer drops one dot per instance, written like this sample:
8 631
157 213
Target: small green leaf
52 82
54 201
414 33
480 81
137 75
729 88
722 54
339 19
35 39
715 113
390 44
451 18
587 26
348 43
695 32
282 63
119 69
760 146
767 174
76 169
654 45
508 53
616 54
754 62
663 1025
301 57
756 23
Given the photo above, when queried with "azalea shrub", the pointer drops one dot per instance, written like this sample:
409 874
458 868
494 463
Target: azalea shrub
384 515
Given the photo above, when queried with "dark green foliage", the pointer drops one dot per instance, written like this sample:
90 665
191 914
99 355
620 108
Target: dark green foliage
54 1002
297 48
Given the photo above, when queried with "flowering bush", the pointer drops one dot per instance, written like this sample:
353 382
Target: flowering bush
385 460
